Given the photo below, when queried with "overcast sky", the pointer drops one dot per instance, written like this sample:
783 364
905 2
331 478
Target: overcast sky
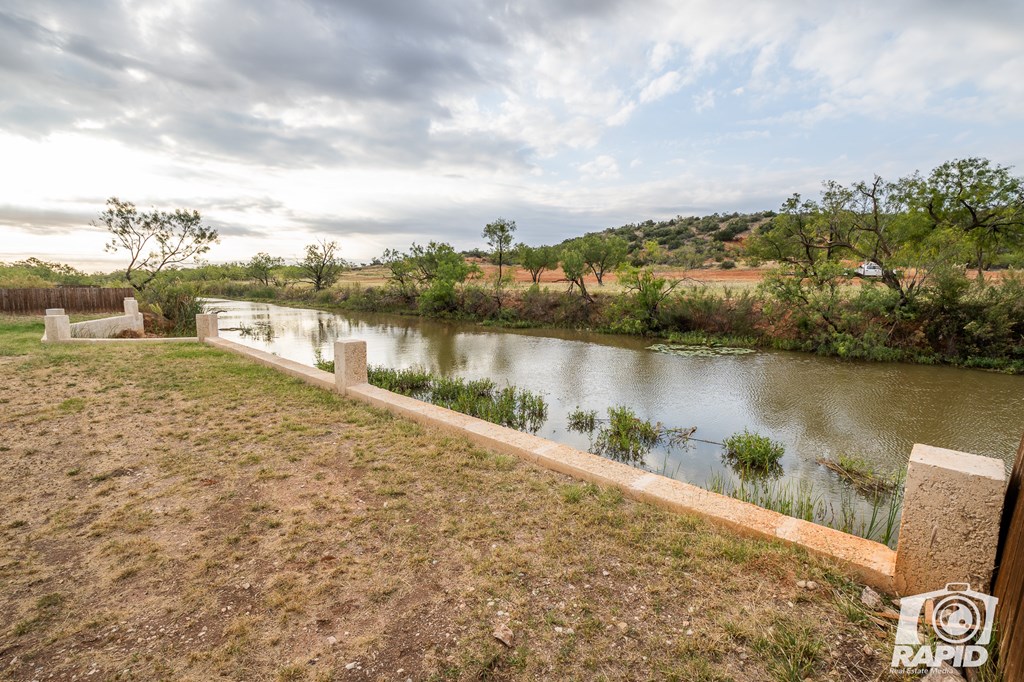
381 122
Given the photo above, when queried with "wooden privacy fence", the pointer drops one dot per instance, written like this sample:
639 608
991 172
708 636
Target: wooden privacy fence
1009 582
71 299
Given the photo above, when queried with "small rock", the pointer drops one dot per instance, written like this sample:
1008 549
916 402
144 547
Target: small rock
558 629
689 633
570 631
605 573
622 626
811 585
870 599
868 651
246 586
801 584
503 633
332 640
352 665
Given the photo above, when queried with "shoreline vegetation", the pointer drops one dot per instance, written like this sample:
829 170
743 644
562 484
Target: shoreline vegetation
186 513
718 320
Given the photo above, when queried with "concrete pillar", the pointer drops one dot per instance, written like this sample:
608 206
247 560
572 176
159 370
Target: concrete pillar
131 306
207 326
58 327
950 525
349 363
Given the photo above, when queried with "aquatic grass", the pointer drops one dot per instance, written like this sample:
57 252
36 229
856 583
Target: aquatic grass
697 351
801 500
509 406
708 340
860 473
796 499
582 421
624 436
753 453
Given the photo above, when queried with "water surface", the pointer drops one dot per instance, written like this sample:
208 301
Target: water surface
817 407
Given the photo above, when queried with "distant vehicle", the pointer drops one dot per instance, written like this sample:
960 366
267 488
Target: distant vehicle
869 269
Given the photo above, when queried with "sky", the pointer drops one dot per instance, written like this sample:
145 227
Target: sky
378 123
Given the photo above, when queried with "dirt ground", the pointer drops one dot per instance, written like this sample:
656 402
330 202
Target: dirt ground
172 512
739 277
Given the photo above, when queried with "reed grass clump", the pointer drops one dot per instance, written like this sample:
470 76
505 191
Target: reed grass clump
509 406
753 453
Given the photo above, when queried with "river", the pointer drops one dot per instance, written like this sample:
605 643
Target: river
817 407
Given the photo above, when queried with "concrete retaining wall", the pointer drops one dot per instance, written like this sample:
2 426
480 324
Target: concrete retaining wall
59 327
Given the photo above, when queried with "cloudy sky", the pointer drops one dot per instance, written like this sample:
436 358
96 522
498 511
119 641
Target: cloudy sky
381 122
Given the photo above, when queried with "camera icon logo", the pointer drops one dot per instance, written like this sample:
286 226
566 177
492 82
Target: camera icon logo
958 619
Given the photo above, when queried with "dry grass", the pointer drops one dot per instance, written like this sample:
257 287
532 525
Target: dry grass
174 512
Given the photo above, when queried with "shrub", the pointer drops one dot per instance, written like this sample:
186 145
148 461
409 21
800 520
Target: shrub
175 304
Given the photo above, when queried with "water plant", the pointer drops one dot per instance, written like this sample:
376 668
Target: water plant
508 406
796 499
801 500
696 351
623 435
583 421
860 473
753 453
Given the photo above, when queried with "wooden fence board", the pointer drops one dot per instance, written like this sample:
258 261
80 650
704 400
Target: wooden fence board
71 299
1009 582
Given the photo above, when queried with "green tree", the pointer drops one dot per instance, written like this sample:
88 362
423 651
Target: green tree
154 240
575 269
650 253
260 266
978 201
499 235
602 253
322 265
645 292
537 259
431 272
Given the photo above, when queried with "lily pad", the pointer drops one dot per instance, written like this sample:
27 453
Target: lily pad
687 351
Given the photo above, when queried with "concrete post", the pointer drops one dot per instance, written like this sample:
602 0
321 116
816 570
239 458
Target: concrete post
349 363
207 326
131 309
58 326
950 525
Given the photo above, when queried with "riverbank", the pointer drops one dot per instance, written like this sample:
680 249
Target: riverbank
179 512
958 322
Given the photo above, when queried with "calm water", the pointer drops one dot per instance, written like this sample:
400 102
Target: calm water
815 406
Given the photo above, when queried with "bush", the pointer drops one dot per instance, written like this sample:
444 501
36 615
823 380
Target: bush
728 264
175 305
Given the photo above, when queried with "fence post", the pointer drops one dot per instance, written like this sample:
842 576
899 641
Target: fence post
349 364
949 531
207 326
58 326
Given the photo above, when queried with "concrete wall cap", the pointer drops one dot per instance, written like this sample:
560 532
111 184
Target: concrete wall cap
968 463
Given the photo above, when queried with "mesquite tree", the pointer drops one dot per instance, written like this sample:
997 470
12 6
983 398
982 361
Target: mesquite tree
154 240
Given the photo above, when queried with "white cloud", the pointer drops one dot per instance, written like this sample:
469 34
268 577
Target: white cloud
704 101
666 84
604 167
